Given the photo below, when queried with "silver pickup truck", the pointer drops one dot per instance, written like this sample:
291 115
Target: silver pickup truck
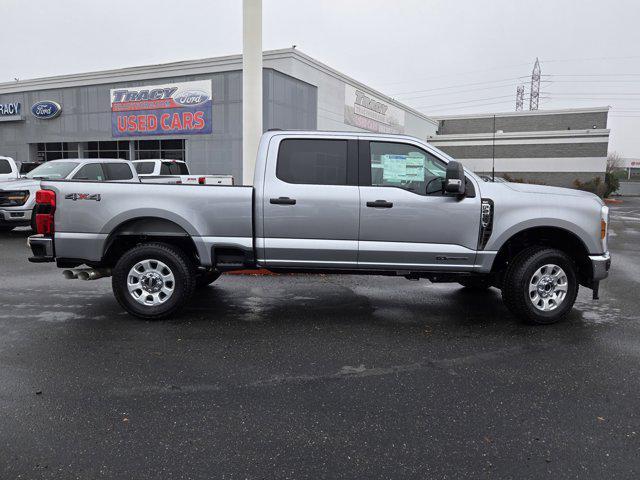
322 202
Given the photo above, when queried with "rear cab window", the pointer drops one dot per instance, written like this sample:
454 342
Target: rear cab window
91 172
173 168
182 168
145 168
313 161
118 171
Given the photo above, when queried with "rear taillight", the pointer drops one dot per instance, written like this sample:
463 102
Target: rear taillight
202 180
45 210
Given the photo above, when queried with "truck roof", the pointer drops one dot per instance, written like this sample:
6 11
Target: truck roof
330 133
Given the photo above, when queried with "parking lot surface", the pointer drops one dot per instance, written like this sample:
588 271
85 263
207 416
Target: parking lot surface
317 377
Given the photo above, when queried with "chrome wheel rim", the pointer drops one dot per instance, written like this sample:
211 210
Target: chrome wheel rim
150 282
548 287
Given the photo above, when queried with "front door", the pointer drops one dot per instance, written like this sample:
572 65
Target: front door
311 204
406 222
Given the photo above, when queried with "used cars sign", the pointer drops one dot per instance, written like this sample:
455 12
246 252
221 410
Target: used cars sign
46 109
182 107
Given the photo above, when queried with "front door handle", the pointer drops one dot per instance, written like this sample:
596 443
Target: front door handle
380 204
283 201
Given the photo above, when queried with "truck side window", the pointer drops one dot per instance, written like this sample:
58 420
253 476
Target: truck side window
91 171
312 161
165 168
407 167
118 171
182 168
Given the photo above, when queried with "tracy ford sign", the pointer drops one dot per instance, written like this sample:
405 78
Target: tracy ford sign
363 110
177 108
11 112
10 109
46 109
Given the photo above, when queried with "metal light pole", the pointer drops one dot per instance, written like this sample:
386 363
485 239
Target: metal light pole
251 86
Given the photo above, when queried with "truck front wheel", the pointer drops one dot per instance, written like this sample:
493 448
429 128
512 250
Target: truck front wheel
153 280
540 285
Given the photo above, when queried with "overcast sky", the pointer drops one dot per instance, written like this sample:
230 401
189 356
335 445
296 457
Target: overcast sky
441 57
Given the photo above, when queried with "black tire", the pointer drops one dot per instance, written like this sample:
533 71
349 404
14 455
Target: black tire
515 291
206 278
33 221
476 283
176 260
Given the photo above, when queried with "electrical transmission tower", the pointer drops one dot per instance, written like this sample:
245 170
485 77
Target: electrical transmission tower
519 97
535 86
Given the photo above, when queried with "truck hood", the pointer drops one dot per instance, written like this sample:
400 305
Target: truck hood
21 184
544 189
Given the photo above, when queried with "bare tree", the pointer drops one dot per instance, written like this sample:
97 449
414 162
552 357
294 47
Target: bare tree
614 162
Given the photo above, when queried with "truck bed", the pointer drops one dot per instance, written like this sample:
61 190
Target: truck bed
215 214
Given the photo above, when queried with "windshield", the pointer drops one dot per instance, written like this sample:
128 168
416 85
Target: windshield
52 170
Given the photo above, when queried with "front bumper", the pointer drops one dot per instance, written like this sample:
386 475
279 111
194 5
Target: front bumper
15 216
42 249
600 265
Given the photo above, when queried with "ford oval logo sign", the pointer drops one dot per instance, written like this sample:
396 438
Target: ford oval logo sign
46 109
190 97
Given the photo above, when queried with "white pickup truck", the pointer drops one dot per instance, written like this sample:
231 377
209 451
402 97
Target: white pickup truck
8 169
176 172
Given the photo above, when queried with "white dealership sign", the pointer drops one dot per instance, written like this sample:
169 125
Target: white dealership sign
365 111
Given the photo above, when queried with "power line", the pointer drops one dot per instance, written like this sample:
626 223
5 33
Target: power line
458 91
592 75
466 101
493 69
456 86
590 58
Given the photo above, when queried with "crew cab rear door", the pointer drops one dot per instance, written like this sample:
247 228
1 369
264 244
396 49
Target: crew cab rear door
310 203
406 222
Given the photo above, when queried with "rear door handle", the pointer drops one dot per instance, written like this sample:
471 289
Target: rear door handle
380 204
283 201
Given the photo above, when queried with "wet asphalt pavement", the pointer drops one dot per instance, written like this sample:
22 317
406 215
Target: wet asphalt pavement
317 377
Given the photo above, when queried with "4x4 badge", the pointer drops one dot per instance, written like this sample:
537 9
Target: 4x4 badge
83 196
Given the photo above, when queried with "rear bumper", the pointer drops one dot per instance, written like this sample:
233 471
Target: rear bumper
600 265
42 249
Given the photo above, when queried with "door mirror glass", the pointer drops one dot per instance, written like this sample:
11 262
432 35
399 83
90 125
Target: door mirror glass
455 181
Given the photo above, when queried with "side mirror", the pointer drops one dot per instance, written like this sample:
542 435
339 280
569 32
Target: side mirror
455 181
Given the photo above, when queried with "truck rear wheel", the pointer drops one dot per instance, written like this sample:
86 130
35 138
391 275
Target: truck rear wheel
540 285
153 280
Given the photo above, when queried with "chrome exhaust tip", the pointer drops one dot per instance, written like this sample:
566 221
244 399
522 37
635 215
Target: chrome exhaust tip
94 273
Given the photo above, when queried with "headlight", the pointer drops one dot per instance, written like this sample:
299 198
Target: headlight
13 198
604 227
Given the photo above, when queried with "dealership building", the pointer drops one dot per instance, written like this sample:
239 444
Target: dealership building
189 110
554 147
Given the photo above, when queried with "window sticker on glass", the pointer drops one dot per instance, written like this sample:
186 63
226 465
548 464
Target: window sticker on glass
402 168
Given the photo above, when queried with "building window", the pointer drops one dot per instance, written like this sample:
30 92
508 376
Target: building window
109 149
170 149
56 151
